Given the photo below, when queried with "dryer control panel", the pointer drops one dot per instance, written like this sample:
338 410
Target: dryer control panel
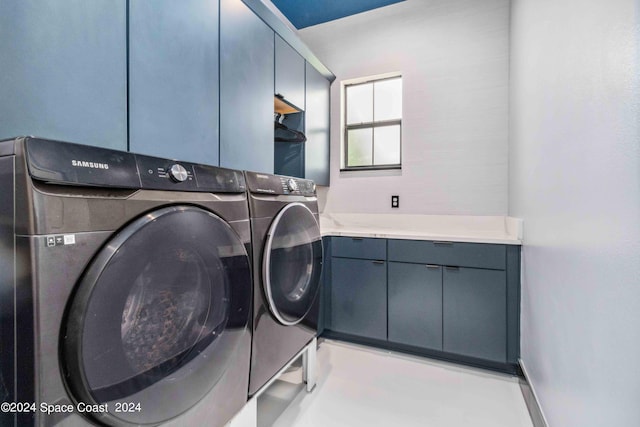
279 185
167 174
297 186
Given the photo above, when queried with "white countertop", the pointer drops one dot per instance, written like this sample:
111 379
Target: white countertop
453 228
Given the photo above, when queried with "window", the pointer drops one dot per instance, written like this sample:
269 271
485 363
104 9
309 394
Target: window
373 119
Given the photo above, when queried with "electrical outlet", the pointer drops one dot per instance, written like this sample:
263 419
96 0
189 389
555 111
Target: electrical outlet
395 201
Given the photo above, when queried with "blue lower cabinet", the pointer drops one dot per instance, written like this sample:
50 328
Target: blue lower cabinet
462 254
415 305
475 313
324 295
359 247
464 314
359 297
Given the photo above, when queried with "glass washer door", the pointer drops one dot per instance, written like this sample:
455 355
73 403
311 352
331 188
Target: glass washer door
292 263
158 316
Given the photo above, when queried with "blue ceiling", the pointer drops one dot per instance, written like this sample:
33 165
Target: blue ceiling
305 13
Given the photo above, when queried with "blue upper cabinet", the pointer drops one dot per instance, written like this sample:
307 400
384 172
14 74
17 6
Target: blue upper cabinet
64 71
317 127
246 89
290 69
173 79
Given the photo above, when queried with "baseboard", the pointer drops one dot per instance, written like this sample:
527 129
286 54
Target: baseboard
506 368
531 398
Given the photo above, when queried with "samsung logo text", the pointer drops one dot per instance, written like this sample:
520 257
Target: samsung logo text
92 165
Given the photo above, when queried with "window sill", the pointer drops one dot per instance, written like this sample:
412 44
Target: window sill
370 168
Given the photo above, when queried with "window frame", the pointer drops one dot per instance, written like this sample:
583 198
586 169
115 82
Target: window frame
368 125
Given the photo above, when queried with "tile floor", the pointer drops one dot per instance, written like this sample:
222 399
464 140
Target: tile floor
360 386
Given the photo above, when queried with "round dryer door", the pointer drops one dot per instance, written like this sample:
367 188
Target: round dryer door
292 263
157 317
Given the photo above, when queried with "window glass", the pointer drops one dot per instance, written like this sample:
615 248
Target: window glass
386 145
373 122
360 148
360 103
388 103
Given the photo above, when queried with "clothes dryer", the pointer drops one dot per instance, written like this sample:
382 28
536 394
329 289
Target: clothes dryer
287 263
125 287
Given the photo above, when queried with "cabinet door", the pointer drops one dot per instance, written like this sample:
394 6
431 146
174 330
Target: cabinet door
289 73
289 159
474 313
173 79
359 297
246 89
461 254
317 127
359 247
415 305
64 71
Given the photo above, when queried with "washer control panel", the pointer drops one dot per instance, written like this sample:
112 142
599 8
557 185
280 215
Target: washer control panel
292 185
73 164
165 174
178 173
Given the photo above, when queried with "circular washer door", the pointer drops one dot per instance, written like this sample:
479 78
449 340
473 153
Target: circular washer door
292 263
157 317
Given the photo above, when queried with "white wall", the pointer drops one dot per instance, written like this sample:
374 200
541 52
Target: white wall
453 55
575 179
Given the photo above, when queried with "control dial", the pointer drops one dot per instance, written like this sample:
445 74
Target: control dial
292 185
178 173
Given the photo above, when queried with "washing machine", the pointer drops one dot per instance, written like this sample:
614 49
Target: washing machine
287 263
125 288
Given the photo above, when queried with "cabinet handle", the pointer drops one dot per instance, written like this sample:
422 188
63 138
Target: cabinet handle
443 243
356 238
378 262
452 268
432 266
